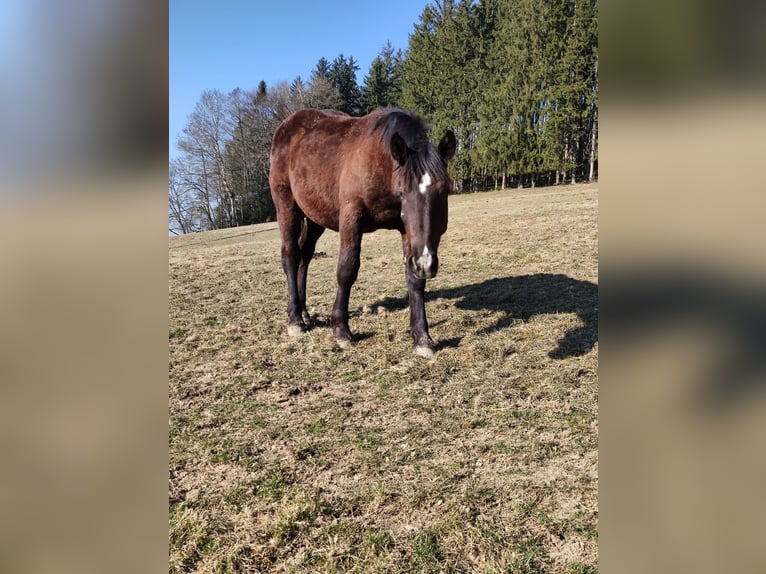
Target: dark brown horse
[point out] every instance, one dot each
(356, 175)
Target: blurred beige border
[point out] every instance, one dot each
(682, 333)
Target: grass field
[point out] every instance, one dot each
(290, 455)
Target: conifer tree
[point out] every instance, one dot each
(383, 84)
(342, 75)
(321, 70)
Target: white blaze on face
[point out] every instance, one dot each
(425, 260)
(425, 181)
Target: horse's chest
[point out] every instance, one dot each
(382, 216)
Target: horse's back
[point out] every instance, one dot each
(308, 156)
(307, 138)
(302, 123)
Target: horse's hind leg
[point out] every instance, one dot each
(310, 234)
(290, 218)
(347, 271)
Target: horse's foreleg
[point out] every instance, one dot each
(348, 269)
(423, 345)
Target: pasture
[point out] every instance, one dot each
(292, 455)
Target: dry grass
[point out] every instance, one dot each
(290, 455)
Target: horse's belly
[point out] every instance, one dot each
(318, 206)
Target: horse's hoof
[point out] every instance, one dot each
(344, 343)
(295, 330)
(423, 351)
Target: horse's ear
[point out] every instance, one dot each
(399, 148)
(447, 146)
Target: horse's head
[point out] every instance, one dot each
(423, 184)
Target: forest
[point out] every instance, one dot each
(516, 80)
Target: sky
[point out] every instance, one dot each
(227, 44)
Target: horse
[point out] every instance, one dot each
(355, 175)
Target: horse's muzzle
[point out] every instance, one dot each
(425, 265)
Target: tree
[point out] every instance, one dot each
(247, 155)
(221, 177)
(321, 70)
(261, 90)
(443, 75)
(322, 95)
(524, 83)
(181, 212)
(298, 89)
(383, 83)
(375, 91)
(319, 94)
(517, 82)
(202, 147)
(343, 77)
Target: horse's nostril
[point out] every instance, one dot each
(426, 259)
(416, 266)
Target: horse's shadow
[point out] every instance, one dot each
(523, 297)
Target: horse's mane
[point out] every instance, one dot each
(414, 131)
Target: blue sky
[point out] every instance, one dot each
(225, 44)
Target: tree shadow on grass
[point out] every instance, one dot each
(523, 297)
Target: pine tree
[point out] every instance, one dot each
(321, 71)
(342, 75)
(392, 60)
(375, 90)
(261, 91)
(444, 76)
(383, 83)
(517, 82)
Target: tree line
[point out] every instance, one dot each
(516, 81)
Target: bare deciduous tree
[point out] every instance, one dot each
(221, 177)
